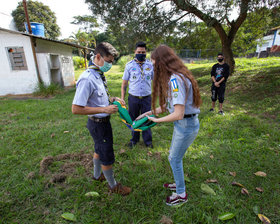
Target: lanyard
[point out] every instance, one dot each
(141, 69)
(102, 76)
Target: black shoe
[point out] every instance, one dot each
(131, 145)
(221, 112)
(211, 110)
(150, 146)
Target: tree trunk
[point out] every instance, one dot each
(228, 54)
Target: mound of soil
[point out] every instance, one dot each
(68, 168)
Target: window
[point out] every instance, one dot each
(17, 58)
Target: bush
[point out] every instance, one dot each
(79, 62)
(125, 59)
(52, 89)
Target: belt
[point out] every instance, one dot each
(189, 115)
(100, 120)
(140, 97)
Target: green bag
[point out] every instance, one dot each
(141, 125)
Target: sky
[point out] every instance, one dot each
(64, 10)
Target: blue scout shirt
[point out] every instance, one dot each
(90, 91)
(177, 95)
(139, 79)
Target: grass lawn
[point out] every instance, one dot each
(244, 141)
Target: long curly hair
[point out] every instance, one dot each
(166, 63)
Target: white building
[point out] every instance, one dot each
(18, 74)
(273, 38)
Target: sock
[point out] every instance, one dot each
(96, 168)
(109, 175)
(182, 195)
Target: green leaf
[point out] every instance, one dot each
(69, 216)
(226, 216)
(256, 209)
(187, 179)
(92, 194)
(206, 189)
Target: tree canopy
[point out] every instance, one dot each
(38, 12)
(154, 20)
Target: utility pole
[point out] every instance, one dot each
(32, 40)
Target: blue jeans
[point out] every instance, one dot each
(184, 134)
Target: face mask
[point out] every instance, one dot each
(220, 59)
(106, 67)
(140, 57)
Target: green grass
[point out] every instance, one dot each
(245, 140)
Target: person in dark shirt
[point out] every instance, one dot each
(219, 76)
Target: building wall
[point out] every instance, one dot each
(267, 41)
(277, 38)
(19, 81)
(59, 61)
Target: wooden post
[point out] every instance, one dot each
(32, 40)
(85, 57)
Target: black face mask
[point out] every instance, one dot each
(140, 57)
(220, 59)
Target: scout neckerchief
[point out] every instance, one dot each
(141, 67)
(94, 67)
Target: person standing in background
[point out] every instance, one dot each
(219, 76)
(138, 75)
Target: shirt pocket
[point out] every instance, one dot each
(100, 97)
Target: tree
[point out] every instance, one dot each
(87, 23)
(38, 12)
(83, 39)
(155, 17)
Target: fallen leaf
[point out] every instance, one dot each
(232, 174)
(209, 171)
(260, 174)
(244, 191)
(150, 153)
(31, 175)
(226, 216)
(92, 194)
(52, 135)
(259, 189)
(264, 219)
(69, 216)
(165, 220)
(256, 209)
(206, 189)
(122, 151)
(211, 157)
(237, 184)
(211, 181)
(66, 132)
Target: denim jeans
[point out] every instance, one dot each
(184, 134)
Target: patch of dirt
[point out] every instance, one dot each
(25, 97)
(68, 168)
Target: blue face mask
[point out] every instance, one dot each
(140, 57)
(106, 67)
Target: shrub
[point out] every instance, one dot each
(52, 89)
(125, 59)
(79, 62)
